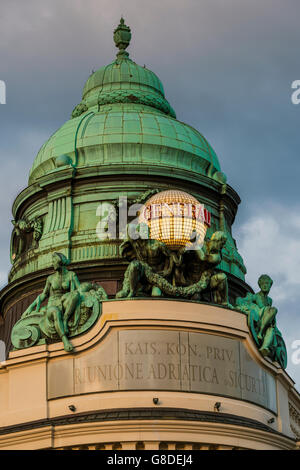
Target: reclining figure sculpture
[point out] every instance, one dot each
(71, 309)
(262, 321)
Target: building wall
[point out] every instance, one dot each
(46, 403)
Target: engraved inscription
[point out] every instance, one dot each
(159, 371)
(246, 382)
(169, 360)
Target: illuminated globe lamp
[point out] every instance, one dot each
(175, 218)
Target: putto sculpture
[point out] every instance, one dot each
(71, 309)
(156, 270)
(262, 321)
(22, 228)
(202, 264)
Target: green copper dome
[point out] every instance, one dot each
(124, 81)
(122, 142)
(126, 134)
(124, 71)
(124, 119)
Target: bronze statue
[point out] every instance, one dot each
(69, 303)
(61, 289)
(156, 269)
(201, 264)
(22, 228)
(262, 321)
(146, 257)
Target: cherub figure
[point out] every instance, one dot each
(178, 273)
(200, 264)
(144, 254)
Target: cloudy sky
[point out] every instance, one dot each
(227, 67)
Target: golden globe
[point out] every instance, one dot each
(175, 218)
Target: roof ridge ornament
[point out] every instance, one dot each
(122, 36)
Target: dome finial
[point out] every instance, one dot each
(122, 36)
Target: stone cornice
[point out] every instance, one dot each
(60, 177)
(141, 414)
(110, 424)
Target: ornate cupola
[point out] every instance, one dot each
(126, 300)
(123, 139)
